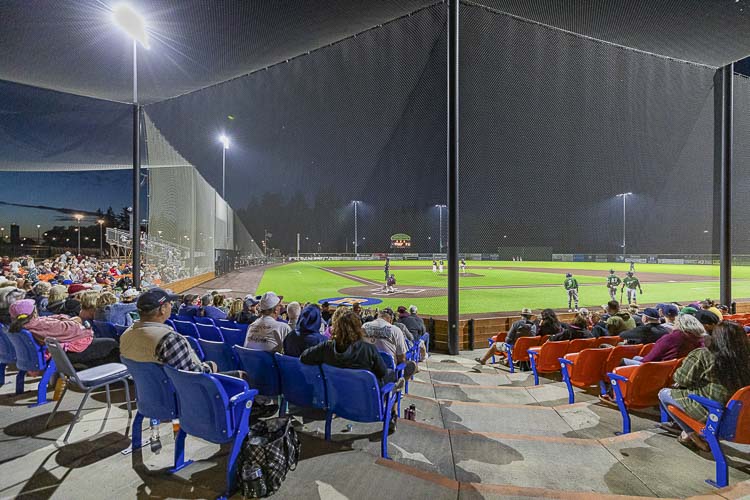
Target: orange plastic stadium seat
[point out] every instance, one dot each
(584, 369)
(617, 354)
(638, 386)
(611, 340)
(727, 423)
(646, 349)
(518, 352)
(546, 358)
(499, 338)
(578, 345)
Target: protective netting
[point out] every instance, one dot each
(741, 187)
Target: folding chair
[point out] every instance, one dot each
(30, 356)
(215, 408)
(87, 380)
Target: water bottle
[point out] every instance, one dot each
(155, 439)
(253, 485)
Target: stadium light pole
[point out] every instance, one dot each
(356, 239)
(224, 140)
(133, 24)
(78, 230)
(440, 222)
(101, 237)
(38, 226)
(624, 197)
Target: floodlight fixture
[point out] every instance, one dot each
(131, 22)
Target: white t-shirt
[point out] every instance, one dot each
(266, 334)
(386, 337)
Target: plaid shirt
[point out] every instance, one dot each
(695, 376)
(174, 350)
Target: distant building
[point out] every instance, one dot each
(15, 234)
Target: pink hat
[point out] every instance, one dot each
(23, 308)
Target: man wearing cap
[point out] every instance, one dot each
(650, 331)
(631, 283)
(249, 313)
(670, 313)
(613, 282)
(524, 327)
(708, 319)
(413, 323)
(385, 336)
(149, 340)
(208, 310)
(266, 333)
(571, 286)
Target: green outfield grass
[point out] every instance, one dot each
(306, 281)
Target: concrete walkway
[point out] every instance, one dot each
(478, 434)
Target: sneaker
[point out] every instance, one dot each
(400, 383)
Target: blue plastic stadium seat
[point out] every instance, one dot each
(209, 332)
(301, 384)
(105, 330)
(356, 395)
(195, 344)
(399, 369)
(120, 329)
(30, 356)
(202, 320)
(157, 400)
(228, 323)
(7, 353)
(186, 328)
(170, 324)
(183, 317)
(220, 353)
(233, 336)
(215, 408)
(261, 370)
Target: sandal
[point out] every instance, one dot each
(684, 439)
(699, 442)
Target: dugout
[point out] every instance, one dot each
(469, 125)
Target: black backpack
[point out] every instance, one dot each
(271, 446)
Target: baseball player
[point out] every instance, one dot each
(631, 283)
(390, 284)
(613, 282)
(463, 266)
(571, 285)
(387, 267)
(434, 266)
(440, 266)
(632, 266)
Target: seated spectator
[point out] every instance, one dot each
(414, 323)
(208, 310)
(235, 308)
(325, 312)
(340, 310)
(292, 314)
(118, 313)
(266, 333)
(549, 324)
(307, 333)
(348, 349)
(408, 337)
(221, 303)
(8, 296)
(524, 327)
(715, 372)
(670, 313)
(634, 313)
(686, 336)
(77, 341)
(40, 295)
(62, 303)
(150, 340)
(618, 321)
(386, 337)
(249, 312)
(710, 305)
(577, 329)
(189, 306)
(88, 305)
(598, 325)
(649, 332)
(708, 319)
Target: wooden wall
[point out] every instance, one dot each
(181, 286)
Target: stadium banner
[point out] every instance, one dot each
(671, 261)
(579, 258)
(400, 240)
(350, 301)
(562, 257)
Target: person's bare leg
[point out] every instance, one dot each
(490, 352)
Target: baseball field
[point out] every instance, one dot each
(492, 287)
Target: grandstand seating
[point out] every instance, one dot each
(215, 408)
(105, 330)
(202, 320)
(301, 384)
(233, 336)
(500, 337)
(638, 386)
(398, 368)
(220, 353)
(583, 369)
(544, 359)
(7, 353)
(30, 356)
(261, 369)
(519, 352)
(186, 328)
(193, 341)
(209, 332)
(724, 423)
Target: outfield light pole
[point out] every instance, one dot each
(101, 237)
(356, 239)
(224, 140)
(133, 24)
(624, 197)
(440, 222)
(38, 226)
(78, 230)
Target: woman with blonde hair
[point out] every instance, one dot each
(88, 305)
(235, 308)
(340, 310)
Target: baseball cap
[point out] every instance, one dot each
(24, 307)
(413, 309)
(401, 310)
(77, 288)
(670, 310)
(130, 293)
(526, 312)
(388, 310)
(651, 312)
(269, 300)
(688, 310)
(707, 317)
(150, 300)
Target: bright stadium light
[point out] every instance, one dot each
(356, 246)
(224, 140)
(624, 197)
(131, 22)
(440, 223)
